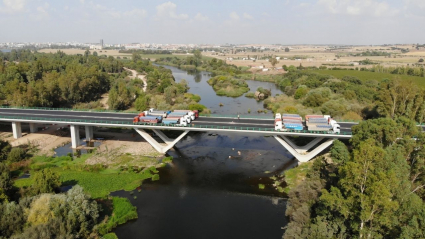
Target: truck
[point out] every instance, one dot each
(175, 121)
(180, 115)
(195, 113)
(154, 112)
(322, 123)
(147, 119)
(189, 114)
(292, 121)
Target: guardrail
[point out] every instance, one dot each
(68, 109)
(127, 123)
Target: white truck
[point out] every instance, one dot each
(322, 123)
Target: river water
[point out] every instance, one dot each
(212, 188)
(198, 84)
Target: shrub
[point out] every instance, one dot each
(197, 106)
(300, 92)
(16, 155)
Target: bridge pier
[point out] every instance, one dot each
(17, 130)
(33, 128)
(300, 152)
(161, 148)
(75, 136)
(89, 133)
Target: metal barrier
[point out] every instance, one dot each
(161, 124)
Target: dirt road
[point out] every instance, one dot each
(136, 75)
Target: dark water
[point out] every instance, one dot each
(67, 149)
(211, 190)
(233, 106)
(206, 194)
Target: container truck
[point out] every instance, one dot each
(292, 121)
(194, 112)
(190, 114)
(278, 116)
(322, 123)
(147, 119)
(161, 113)
(175, 121)
(180, 115)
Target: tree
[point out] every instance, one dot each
(286, 49)
(5, 148)
(95, 53)
(6, 183)
(198, 57)
(45, 181)
(273, 61)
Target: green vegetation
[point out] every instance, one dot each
(55, 80)
(374, 189)
(162, 91)
(250, 95)
(122, 212)
(110, 236)
(295, 176)
(228, 86)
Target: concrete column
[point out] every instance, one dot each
(75, 136)
(89, 133)
(17, 130)
(33, 128)
(161, 148)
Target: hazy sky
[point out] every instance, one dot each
(214, 21)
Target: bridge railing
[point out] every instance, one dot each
(68, 109)
(127, 123)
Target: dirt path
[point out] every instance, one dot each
(136, 75)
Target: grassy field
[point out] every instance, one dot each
(296, 175)
(366, 75)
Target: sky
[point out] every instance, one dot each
(356, 22)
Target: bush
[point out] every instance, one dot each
(197, 106)
(421, 60)
(300, 92)
(16, 155)
(123, 211)
(250, 95)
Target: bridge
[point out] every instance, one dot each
(90, 119)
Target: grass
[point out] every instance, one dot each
(122, 212)
(296, 175)
(110, 236)
(97, 184)
(367, 75)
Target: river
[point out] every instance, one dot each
(198, 84)
(211, 190)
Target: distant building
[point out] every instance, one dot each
(101, 43)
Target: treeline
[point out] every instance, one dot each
(374, 189)
(55, 80)
(196, 62)
(348, 97)
(146, 52)
(400, 70)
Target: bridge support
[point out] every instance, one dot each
(89, 133)
(33, 128)
(75, 136)
(161, 148)
(300, 152)
(17, 130)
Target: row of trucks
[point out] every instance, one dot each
(175, 118)
(284, 122)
